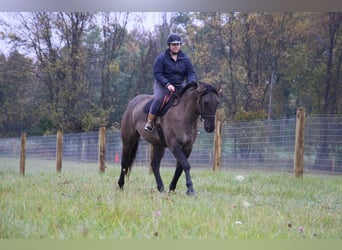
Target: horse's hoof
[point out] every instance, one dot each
(172, 191)
(191, 193)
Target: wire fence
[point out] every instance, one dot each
(266, 144)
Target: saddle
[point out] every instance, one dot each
(164, 107)
(168, 101)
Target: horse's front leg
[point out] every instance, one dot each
(182, 160)
(178, 172)
(157, 155)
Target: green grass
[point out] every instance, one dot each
(90, 206)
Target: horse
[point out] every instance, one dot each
(179, 131)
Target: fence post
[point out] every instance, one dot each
(22, 154)
(102, 149)
(59, 151)
(218, 140)
(299, 143)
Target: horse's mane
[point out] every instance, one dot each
(186, 87)
(208, 88)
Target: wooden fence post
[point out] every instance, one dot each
(59, 151)
(299, 143)
(102, 149)
(218, 140)
(22, 154)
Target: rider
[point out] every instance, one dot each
(170, 69)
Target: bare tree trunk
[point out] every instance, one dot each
(322, 160)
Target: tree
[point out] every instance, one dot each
(16, 93)
(75, 95)
(332, 76)
(113, 33)
(56, 41)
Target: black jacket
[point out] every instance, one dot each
(166, 70)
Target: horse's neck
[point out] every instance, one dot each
(188, 105)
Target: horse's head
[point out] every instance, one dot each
(207, 105)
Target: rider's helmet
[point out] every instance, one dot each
(174, 38)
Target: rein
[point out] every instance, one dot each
(176, 99)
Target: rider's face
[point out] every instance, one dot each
(175, 47)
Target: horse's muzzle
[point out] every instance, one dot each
(209, 126)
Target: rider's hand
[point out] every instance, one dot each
(171, 88)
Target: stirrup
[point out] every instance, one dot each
(149, 126)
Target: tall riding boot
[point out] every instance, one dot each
(150, 122)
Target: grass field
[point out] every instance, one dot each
(89, 206)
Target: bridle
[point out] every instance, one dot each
(176, 98)
(203, 117)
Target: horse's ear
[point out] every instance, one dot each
(200, 87)
(219, 89)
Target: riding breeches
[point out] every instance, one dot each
(159, 93)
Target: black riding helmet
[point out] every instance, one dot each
(174, 38)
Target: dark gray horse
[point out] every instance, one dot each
(179, 126)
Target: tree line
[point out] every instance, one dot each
(76, 71)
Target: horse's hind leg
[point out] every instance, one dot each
(157, 155)
(121, 181)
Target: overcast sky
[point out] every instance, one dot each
(137, 20)
(148, 19)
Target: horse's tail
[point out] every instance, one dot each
(128, 159)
